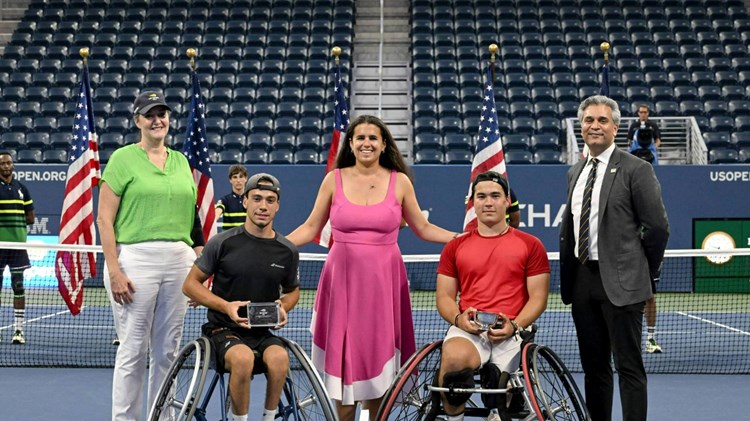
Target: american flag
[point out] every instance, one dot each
(489, 150)
(340, 122)
(196, 151)
(77, 220)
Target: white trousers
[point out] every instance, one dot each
(153, 321)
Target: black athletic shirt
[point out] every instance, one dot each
(248, 268)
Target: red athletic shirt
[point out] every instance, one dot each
(492, 271)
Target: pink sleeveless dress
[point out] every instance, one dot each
(362, 322)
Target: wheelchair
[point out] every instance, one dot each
(541, 389)
(303, 397)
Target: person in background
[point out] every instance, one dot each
(513, 213)
(496, 269)
(362, 322)
(230, 206)
(249, 263)
(644, 137)
(613, 235)
(147, 223)
(16, 213)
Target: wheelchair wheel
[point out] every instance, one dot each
(304, 397)
(553, 391)
(408, 397)
(179, 393)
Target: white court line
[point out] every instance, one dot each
(711, 322)
(26, 322)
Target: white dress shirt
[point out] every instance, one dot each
(577, 201)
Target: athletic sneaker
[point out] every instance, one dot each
(18, 338)
(652, 347)
(116, 341)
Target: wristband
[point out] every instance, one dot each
(455, 320)
(515, 326)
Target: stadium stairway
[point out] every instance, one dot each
(11, 13)
(394, 106)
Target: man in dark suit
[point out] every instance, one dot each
(612, 241)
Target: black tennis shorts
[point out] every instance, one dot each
(222, 339)
(15, 259)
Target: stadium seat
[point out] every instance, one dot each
(717, 156)
(29, 156)
(518, 156)
(55, 156)
(13, 140)
(429, 156)
(547, 156)
(231, 156)
(458, 157)
(306, 157)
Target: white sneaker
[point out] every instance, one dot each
(18, 338)
(652, 347)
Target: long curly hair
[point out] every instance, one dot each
(391, 158)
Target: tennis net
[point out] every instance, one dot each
(703, 313)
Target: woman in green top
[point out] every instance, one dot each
(146, 215)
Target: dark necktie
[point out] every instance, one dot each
(583, 228)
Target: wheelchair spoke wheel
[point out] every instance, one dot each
(180, 391)
(554, 393)
(408, 397)
(304, 397)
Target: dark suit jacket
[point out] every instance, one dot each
(633, 230)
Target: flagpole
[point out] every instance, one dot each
(605, 48)
(336, 52)
(192, 53)
(493, 51)
(84, 52)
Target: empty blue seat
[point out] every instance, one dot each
(29, 156)
(516, 141)
(459, 157)
(55, 156)
(720, 156)
(547, 156)
(281, 156)
(429, 156)
(518, 156)
(306, 157)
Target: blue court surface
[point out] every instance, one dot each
(84, 394)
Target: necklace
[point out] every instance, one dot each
(507, 227)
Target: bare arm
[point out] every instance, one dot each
(30, 217)
(218, 212)
(445, 296)
(314, 223)
(416, 219)
(515, 219)
(195, 289)
(538, 289)
(109, 203)
(287, 301)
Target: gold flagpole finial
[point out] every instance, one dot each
(336, 51)
(84, 52)
(192, 53)
(493, 51)
(605, 48)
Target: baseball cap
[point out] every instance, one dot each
(271, 183)
(148, 100)
(490, 176)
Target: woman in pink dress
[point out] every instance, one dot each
(362, 322)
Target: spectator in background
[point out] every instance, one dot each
(613, 235)
(513, 213)
(644, 137)
(230, 206)
(147, 223)
(16, 213)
